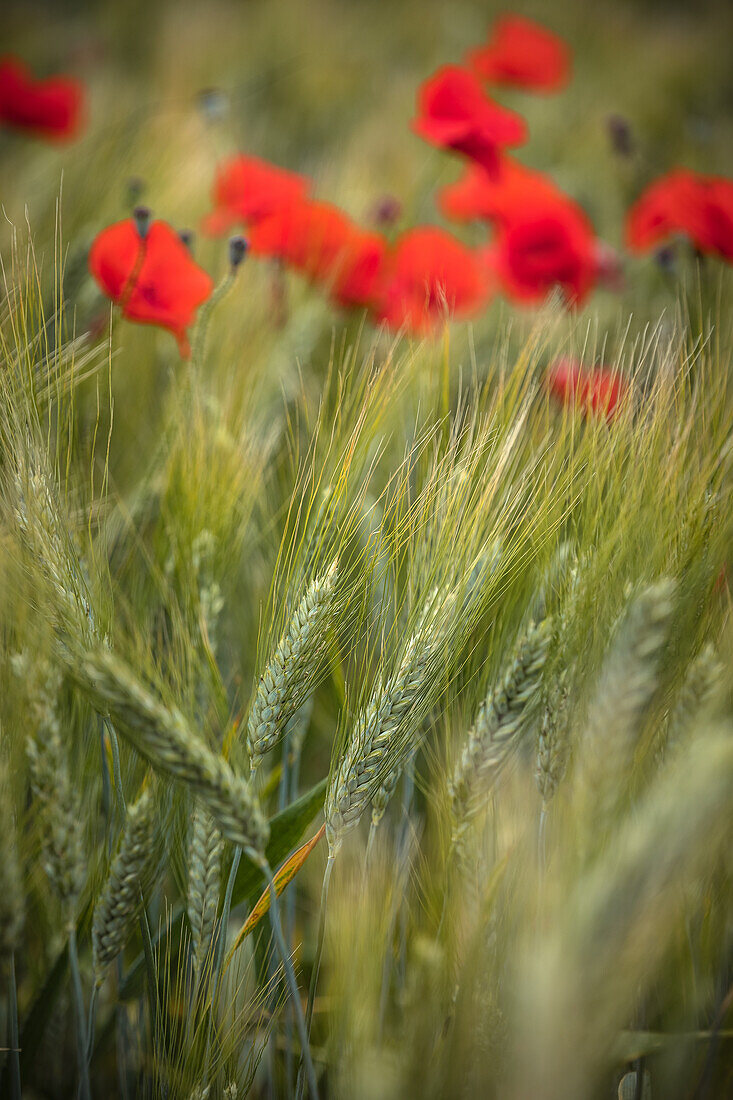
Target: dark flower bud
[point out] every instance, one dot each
(238, 247)
(665, 257)
(213, 103)
(142, 216)
(135, 190)
(386, 211)
(186, 237)
(620, 135)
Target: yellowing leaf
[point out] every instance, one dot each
(284, 875)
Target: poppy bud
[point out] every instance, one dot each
(386, 211)
(665, 258)
(620, 135)
(237, 251)
(186, 237)
(142, 216)
(213, 103)
(135, 190)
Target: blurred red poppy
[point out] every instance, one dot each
(247, 189)
(597, 390)
(522, 54)
(547, 243)
(152, 278)
(429, 276)
(51, 108)
(479, 196)
(700, 207)
(454, 113)
(322, 243)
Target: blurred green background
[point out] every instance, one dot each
(328, 89)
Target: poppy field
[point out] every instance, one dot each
(366, 456)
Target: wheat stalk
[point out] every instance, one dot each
(627, 684)
(695, 696)
(119, 902)
(63, 857)
(204, 873)
(376, 751)
(502, 719)
(553, 744)
(48, 543)
(427, 639)
(163, 736)
(211, 601)
(293, 668)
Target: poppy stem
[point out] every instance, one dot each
(202, 327)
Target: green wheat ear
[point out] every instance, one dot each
(374, 753)
(291, 672)
(702, 679)
(204, 876)
(63, 853)
(553, 744)
(628, 681)
(503, 717)
(120, 899)
(164, 737)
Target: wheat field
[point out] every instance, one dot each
(366, 725)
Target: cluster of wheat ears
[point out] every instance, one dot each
(508, 628)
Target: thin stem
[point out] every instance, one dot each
(287, 962)
(199, 340)
(282, 801)
(289, 898)
(105, 724)
(402, 849)
(446, 888)
(219, 956)
(542, 841)
(14, 1058)
(106, 788)
(386, 973)
(316, 965)
(116, 767)
(90, 1023)
(84, 1089)
(408, 790)
(149, 966)
(445, 386)
(369, 847)
(224, 919)
(121, 1035)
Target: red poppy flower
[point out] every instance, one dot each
(549, 243)
(700, 207)
(429, 275)
(247, 189)
(597, 390)
(524, 55)
(454, 113)
(322, 243)
(479, 196)
(51, 108)
(152, 278)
